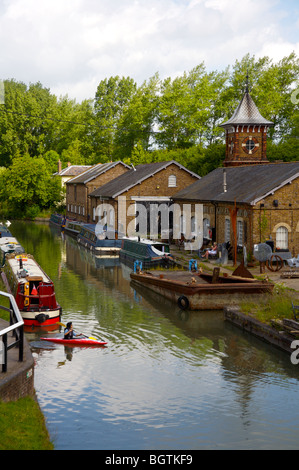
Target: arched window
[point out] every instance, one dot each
(172, 181)
(282, 238)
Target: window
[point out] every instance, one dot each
(206, 228)
(282, 238)
(172, 181)
(192, 224)
(227, 230)
(240, 230)
(182, 224)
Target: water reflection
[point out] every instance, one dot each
(168, 379)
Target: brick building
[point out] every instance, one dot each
(249, 204)
(249, 200)
(79, 188)
(71, 171)
(246, 135)
(148, 185)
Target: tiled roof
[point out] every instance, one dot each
(94, 172)
(246, 113)
(133, 177)
(245, 184)
(73, 170)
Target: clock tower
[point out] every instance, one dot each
(246, 135)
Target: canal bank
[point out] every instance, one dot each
(274, 331)
(22, 422)
(168, 379)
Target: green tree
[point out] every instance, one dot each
(26, 187)
(111, 97)
(137, 122)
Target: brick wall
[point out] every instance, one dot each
(237, 154)
(154, 186)
(261, 221)
(78, 203)
(279, 210)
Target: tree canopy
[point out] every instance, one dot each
(161, 119)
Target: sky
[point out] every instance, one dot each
(69, 46)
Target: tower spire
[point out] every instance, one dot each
(247, 82)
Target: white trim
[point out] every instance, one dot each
(150, 198)
(288, 181)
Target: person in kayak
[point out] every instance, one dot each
(69, 332)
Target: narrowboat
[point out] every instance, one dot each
(148, 252)
(202, 291)
(99, 239)
(8, 244)
(73, 227)
(32, 288)
(58, 220)
(4, 231)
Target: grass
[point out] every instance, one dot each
(23, 426)
(277, 305)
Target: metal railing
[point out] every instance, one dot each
(16, 328)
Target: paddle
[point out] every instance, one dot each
(81, 334)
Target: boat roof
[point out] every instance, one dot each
(4, 231)
(30, 268)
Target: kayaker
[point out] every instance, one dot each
(68, 331)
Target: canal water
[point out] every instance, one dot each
(167, 380)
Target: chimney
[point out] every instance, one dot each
(59, 166)
(68, 163)
(224, 181)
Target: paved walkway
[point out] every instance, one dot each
(13, 363)
(183, 257)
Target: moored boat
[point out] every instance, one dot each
(73, 227)
(98, 239)
(58, 220)
(202, 291)
(32, 288)
(148, 252)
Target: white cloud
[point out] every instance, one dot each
(71, 45)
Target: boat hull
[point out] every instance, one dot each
(98, 243)
(195, 294)
(76, 342)
(33, 290)
(41, 318)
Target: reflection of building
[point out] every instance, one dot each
(250, 200)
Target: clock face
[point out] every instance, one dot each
(250, 145)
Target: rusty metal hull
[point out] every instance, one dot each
(197, 292)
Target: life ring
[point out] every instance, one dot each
(41, 317)
(279, 263)
(183, 302)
